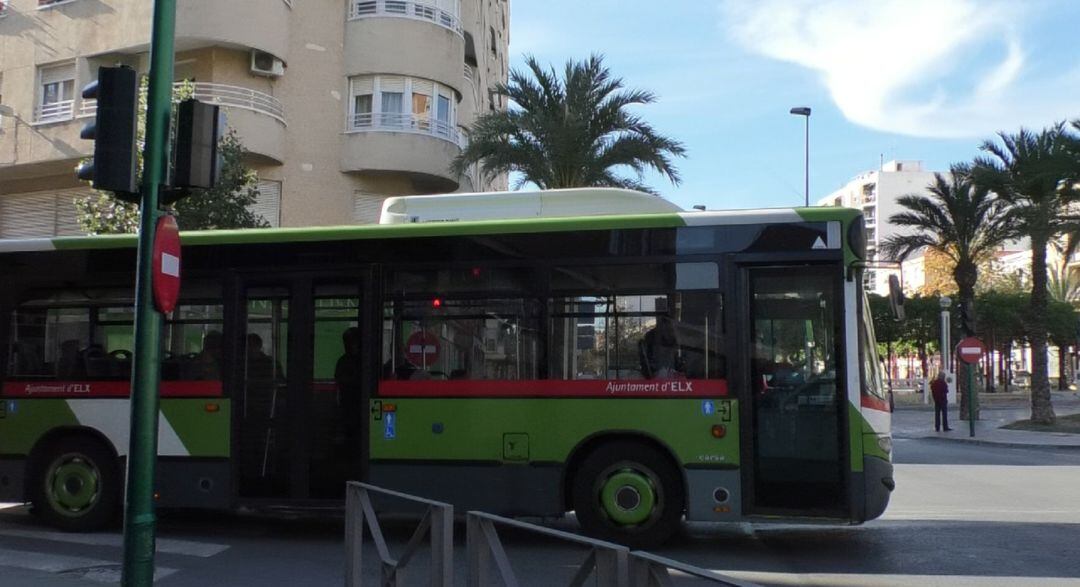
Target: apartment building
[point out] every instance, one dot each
(875, 193)
(340, 103)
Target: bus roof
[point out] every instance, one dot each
(446, 228)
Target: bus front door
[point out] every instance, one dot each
(795, 401)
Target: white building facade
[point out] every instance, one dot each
(875, 193)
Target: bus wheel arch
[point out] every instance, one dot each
(610, 467)
(74, 479)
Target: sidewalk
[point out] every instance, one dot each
(916, 420)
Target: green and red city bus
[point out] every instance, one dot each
(635, 368)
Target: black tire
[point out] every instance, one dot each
(75, 484)
(629, 492)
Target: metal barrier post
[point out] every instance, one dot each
(438, 522)
(649, 570)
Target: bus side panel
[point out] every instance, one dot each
(513, 451)
(189, 429)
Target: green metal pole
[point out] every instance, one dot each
(971, 399)
(139, 516)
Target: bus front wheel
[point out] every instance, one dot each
(76, 484)
(630, 493)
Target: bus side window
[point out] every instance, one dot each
(49, 343)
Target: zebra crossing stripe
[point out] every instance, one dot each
(164, 545)
(97, 570)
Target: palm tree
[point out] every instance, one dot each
(958, 219)
(1030, 171)
(569, 132)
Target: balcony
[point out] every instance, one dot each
(255, 24)
(408, 46)
(443, 13)
(258, 118)
(395, 143)
(55, 112)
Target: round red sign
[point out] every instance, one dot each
(970, 350)
(166, 264)
(422, 349)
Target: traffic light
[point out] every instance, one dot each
(114, 166)
(199, 128)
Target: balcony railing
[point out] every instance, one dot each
(397, 122)
(221, 95)
(237, 97)
(55, 112)
(419, 9)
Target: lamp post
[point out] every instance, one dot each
(805, 111)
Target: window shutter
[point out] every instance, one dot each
(363, 85)
(57, 74)
(268, 204)
(391, 84)
(422, 86)
(67, 219)
(28, 215)
(367, 207)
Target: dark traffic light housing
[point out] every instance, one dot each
(114, 166)
(199, 128)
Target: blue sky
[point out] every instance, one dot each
(902, 79)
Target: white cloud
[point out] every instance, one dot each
(909, 66)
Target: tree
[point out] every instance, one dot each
(1001, 319)
(1030, 171)
(225, 206)
(959, 220)
(569, 132)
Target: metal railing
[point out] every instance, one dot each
(419, 9)
(55, 112)
(609, 562)
(612, 565)
(649, 570)
(238, 97)
(438, 522)
(221, 95)
(398, 122)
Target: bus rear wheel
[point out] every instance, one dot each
(76, 485)
(630, 493)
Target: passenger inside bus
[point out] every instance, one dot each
(208, 361)
(70, 365)
(348, 377)
(659, 351)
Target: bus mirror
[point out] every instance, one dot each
(896, 298)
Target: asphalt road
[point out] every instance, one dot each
(962, 515)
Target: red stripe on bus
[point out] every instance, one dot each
(875, 403)
(106, 389)
(556, 388)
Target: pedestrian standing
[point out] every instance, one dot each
(940, 389)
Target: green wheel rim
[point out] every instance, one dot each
(73, 485)
(628, 497)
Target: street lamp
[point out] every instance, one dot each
(805, 111)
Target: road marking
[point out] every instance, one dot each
(164, 545)
(871, 580)
(97, 570)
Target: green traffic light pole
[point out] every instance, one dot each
(139, 516)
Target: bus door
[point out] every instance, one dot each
(304, 386)
(792, 334)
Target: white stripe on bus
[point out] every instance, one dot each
(111, 418)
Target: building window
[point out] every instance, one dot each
(56, 93)
(397, 103)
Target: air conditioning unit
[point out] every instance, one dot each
(263, 63)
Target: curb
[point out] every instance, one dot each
(988, 442)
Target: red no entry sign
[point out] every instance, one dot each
(422, 348)
(970, 350)
(166, 264)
